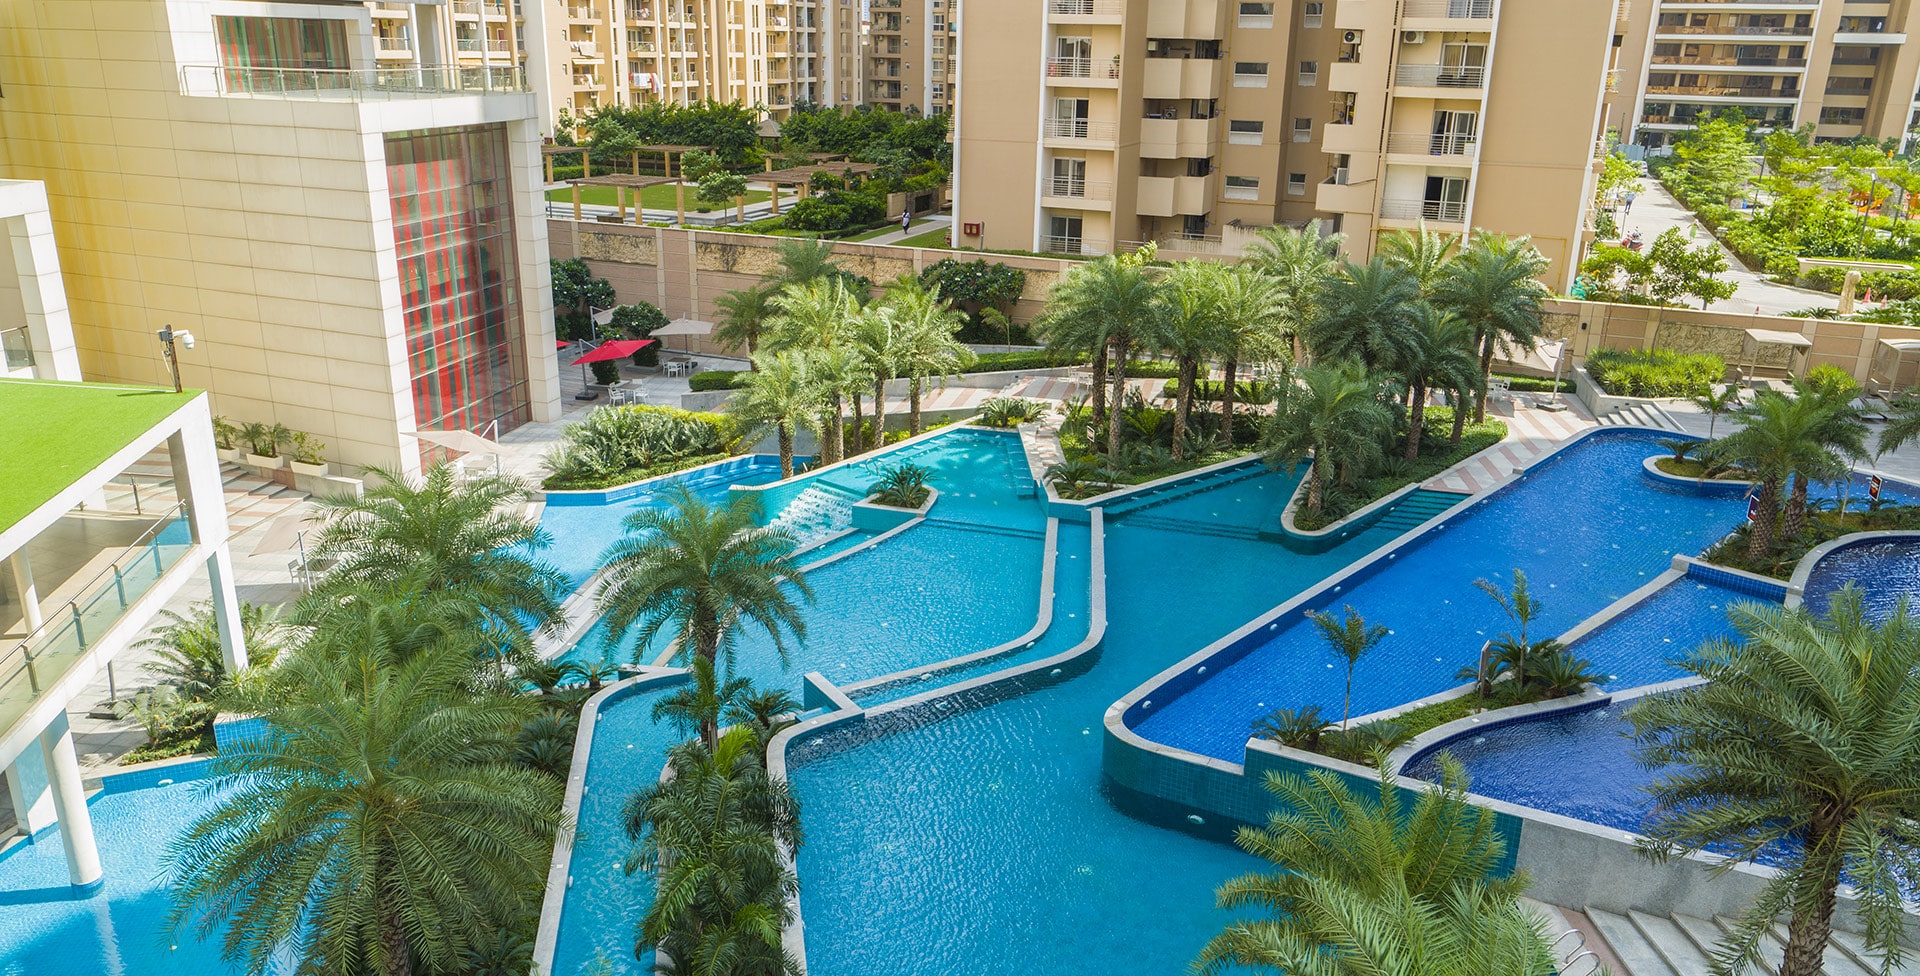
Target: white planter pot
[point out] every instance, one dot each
(265, 463)
(233, 454)
(313, 470)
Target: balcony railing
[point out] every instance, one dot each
(1087, 8)
(1431, 144)
(583, 13)
(474, 8)
(1444, 211)
(386, 44)
(1083, 68)
(475, 45)
(1735, 31)
(16, 348)
(1730, 61)
(1441, 76)
(1078, 189)
(1073, 245)
(1452, 9)
(400, 81)
(1723, 91)
(32, 666)
(1099, 129)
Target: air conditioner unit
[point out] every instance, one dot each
(1153, 46)
(1413, 37)
(1351, 37)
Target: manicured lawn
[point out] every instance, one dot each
(936, 238)
(889, 229)
(653, 197)
(56, 432)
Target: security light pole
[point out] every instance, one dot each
(168, 335)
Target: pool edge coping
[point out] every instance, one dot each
(1803, 570)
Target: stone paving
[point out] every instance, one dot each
(1531, 432)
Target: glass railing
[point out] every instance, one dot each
(399, 81)
(31, 666)
(16, 348)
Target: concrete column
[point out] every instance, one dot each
(70, 803)
(196, 478)
(31, 792)
(23, 584)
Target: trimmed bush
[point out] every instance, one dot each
(1208, 391)
(708, 380)
(1658, 373)
(615, 445)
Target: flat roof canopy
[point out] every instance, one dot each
(623, 179)
(804, 174)
(55, 433)
(1769, 337)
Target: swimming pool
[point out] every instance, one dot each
(1892, 564)
(1585, 525)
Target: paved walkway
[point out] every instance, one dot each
(1655, 210)
(1531, 432)
(920, 226)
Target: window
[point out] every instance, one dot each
(1296, 184)
(1249, 74)
(1242, 188)
(1837, 115)
(1309, 73)
(1241, 132)
(1256, 15)
(273, 44)
(1302, 130)
(1312, 14)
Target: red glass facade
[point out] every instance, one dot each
(453, 234)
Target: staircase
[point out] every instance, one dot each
(1639, 415)
(814, 514)
(1680, 945)
(1418, 508)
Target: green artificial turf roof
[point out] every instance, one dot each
(52, 434)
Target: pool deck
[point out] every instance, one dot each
(1532, 433)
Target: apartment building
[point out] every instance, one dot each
(1844, 67)
(473, 33)
(911, 55)
(1195, 122)
(355, 240)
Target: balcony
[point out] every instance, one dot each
(1725, 92)
(1178, 138)
(476, 8)
(1730, 61)
(1065, 191)
(1347, 138)
(1084, 72)
(1180, 78)
(386, 46)
(392, 11)
(1086, 11)
(583, 13)
(1456, 15)
(1171, 196)
(1194, 19)
(1088, 246)
(1729, 30)
(1080, 130)
(476, 46)
(1336, 195)
(1432, 211)
(352, 84)
(1448, 76)
(1430, 145)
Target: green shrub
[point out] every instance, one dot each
(1534, 384)
(901, 486)
(1153, 369)
(1011, 411)
(1656, 373)
(994, 362)
(1208, 391)
(708, 380)
(615, 442)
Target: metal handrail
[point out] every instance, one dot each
(352, 83)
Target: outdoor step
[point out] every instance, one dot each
(1676, 949)
(1772, 952)
(1853, 946)
(1704, 934)
(1837, 960)
(1629, 946)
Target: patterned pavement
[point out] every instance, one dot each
(1531, 432)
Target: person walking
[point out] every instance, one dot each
(906, 220)
(1630, 196)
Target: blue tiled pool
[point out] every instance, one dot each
(1893, 566)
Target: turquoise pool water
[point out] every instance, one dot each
(1586, 527)
(580, 527)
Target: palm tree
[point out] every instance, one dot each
(762, 711)
(410, 619)
(702, 571)
(1781, 436)
(1351, 638)
(382, 828)
(716, 833)
(1094, 306)
(1299, 261)
(698, 706)
(1802, 732)
(925, 326)
(743, 317)
(1903, 424)
(186, 648)
(813, 317)
(1492, 285)
(1842, 430)
(840, 373)
(1521, 608)
(1422, 254)
(440, 533)
(1442, 358)
(1253, 308)
(873, 336)
(800, 261)
(1333, 413)
(1715, 404)
(782, 391)
(1367, 314)
(1194, 323)
(1366, 886)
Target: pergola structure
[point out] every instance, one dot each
(668, 153)
(621, 183)
(819, 157)
(802, 177)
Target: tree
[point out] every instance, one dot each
(187, 655)
(800, 261)
(1351, 637)
(1366, 886)
(873, 337)
(1333, 413)
(577, 291)
(1713, 159)
(439, 533)
(381, 828)
(924, 342)
(1422, 254)
(1441, 358)
(1253, 316)
(1903, 423)
(703, 572)
(1798, 742)
(698, 705)
(817, 316)
(1780, 436)
(744, 314)
(1492, 286)
(1109, 305)
(1714, 404)
(1194, 319)
(1617, 176)
(714, 833)
(841, 374)
(1299, 261)
(1692, 272)
(781, 391)
(1521, 608)
(1367, 315)
(977, 285)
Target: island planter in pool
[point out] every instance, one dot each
(871, 516)
(1729, 486)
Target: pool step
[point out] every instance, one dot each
(1640, 415)
(1682, 945)
(1418, 508)
(1217, 530)
(1182, 489)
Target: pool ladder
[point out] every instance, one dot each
(1571, 952)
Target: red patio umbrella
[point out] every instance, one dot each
(617, 349)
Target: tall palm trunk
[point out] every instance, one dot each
(1416, 419)
(1313, 485)
(1183, 407)
(1760, 536)
(880, 411)
(391, 928)
(786, 449)
(1099, 383)
(1459, 398)
(1795, 521)
(1486, 374)
(858, 441)
(835, 447)
(1811, 926)
(913, 406)
(1232, 369)
(1118, 380)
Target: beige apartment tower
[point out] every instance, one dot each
(911, 55)
(1846, 68)
(1195, 122)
